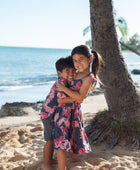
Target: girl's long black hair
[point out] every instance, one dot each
(97, 60)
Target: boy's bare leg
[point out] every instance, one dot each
(74, 157)
(61, 157)
(47, 155)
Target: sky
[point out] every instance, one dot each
(54, 23)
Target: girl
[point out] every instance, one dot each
(79, 89)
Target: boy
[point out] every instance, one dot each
(66, 72)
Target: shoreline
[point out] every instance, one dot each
(33, 111)
(34, 94)
(27, 112)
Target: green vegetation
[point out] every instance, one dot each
(133, 42)
(122, 30)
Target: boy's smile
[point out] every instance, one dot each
(68, 73)
(72, 75)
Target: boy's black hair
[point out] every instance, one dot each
(62, 63)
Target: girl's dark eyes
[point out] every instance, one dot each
(75, 61)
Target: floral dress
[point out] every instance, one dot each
(69, 133)
(79, 140)
(62, 128)
(50, 104)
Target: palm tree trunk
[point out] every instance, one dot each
(120, 92)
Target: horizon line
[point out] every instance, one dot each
(34, 47)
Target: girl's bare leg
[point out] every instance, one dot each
(61, 157)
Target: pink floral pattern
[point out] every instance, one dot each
(62, 127)
(69, 133)
(50, 104)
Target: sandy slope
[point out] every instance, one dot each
(21, 148)
(21, 145)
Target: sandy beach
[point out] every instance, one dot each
(21, 143)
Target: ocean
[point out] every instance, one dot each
(27, 74)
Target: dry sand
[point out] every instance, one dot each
(22, 143)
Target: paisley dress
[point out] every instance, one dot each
(69, 133)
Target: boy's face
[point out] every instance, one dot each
(72, 75)
(68, 74)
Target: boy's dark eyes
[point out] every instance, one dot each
(67, 70)
(75, 61)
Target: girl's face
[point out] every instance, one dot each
(81, 62)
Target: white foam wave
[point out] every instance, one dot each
(132, 64)
(12, 88)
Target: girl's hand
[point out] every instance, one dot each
(60, 87)
(79, 101)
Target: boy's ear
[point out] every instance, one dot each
(59, 73)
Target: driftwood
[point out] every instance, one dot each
(115, 142)
(136, 142)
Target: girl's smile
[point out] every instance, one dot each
(81, 63)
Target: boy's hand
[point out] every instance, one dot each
(60, 87)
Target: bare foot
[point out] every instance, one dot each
(72, 160)
(46, 167)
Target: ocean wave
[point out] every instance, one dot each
(133, 64)
(28, 80)
(10, 85)
(12, 88)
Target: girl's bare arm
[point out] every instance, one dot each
(67, 100)
(77, 95)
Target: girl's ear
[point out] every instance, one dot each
(59, 73)
(91, 58)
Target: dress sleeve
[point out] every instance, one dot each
(50, 104)
(59, 93)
